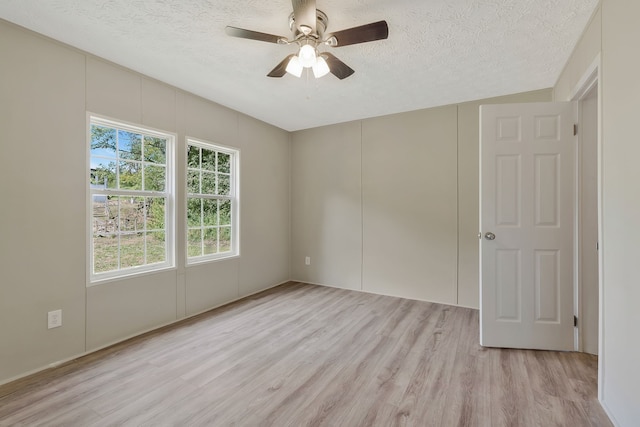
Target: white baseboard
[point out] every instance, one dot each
(379, 293)
(609, 414)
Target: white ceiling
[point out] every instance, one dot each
(438, 52)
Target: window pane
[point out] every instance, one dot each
(130, 176)
(224, 183)
(210, 212)
(210, 241)
(194, 212)
(100, 215)
(103, 141)
(225, 239)
(156, 248)
(131, 250)
(224, 163)
(208, 160)
(105, 215)
(129, 228)
(113, 211)
(155, 149)
(208, 183)
(131, 213)
(154, 178)
(193, 157)
(155, 213)
(103, 173)
(225, 212)
(194, 243)
(105, 253)
(193, 182)
(129, 145)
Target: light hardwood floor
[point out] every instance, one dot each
(301, 355)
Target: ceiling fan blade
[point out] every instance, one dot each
(253, 35)
(304, 12)
(281, 68)
(337, 67)
(362, 34)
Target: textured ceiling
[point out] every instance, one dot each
(438, 51)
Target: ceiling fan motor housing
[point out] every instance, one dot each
(322, 21)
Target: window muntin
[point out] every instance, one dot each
(131, 201)
(212, 202)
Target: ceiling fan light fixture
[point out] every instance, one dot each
(307, 56)
(294, 67)
(320, 68)
(308, 25)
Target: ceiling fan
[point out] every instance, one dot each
(308, 26)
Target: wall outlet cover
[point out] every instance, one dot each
(54, 319)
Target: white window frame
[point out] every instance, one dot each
(234, 197)
(169, 194)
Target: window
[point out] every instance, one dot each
(212, 201)
(131, 199)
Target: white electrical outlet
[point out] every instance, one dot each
(307, 260)
(54, 319)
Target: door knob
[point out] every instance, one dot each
(489, 236)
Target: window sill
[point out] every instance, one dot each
(197, 262)
(129, 276)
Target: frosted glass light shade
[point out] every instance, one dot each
(294, 67)
(320, 68)
(307, 55)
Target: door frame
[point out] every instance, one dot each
(591, 77)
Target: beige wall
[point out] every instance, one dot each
(409, 205)
(621, 208)
(326, 207)
(583, 56)
(390, 205)
(42, 189)
(45, 91)
(613, 34)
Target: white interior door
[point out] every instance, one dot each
(527, 200)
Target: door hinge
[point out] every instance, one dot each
(575, 130)
(575, 321)
(597, 246)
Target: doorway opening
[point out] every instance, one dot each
(587, 303)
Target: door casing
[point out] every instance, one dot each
(589, 80)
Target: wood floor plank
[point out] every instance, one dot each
(304, 355)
